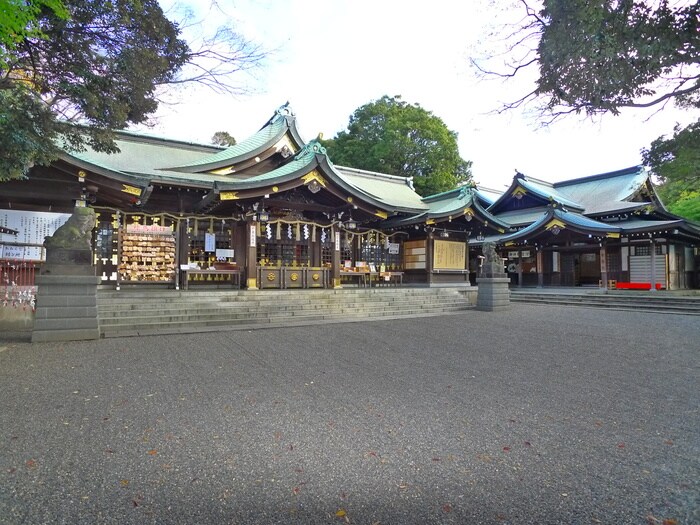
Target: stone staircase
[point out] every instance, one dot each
(154, 311)
(658, 302)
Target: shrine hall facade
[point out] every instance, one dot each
(274, 212)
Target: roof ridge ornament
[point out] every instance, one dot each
(313, 146)
(285, 110)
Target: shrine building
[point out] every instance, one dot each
(274, 212)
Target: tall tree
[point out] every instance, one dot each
(394, 137)
(600, 56)
(676, 162)
(223, 138)
(596, 57)
(93, 68)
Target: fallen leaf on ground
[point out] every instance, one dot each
(31, 463)
(123, 482)
(447, 508)
(670, 521)
(340, 513)
(152, 452)
(620, 445)
(506, 449)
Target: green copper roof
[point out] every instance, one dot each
(275, 128)
(243, 150)
(393, 191)
(143, 156)
(599, 193)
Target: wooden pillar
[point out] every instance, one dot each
(603, 266)
(335, 270)
(653, 265)
(520, 268)
(429, 257)
(540, 268)
(251, 261)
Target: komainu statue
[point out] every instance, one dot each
(75, 233)
(493, 263)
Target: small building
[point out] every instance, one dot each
(274, 212)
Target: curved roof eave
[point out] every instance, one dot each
(575, 222)
(505, 195)
(551, 195)
(271, 133)
(110, 173)
(308, 159)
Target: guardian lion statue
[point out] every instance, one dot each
(493, 263)
(75, 233)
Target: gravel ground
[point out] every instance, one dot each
(538, 415)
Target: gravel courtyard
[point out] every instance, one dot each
(538, 415)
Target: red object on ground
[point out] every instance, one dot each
(636, 286)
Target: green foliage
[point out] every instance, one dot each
(18, 21)
(676, 163)
(394, 137)
(223, 138)
(687, 206)
(99, 67)
(598, 57)
(23, 119)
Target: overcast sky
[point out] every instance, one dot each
(328, 57)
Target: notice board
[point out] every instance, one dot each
(449, 255)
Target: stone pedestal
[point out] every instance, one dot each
(493, 294)
(66, 308)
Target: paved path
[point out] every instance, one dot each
(538, 415)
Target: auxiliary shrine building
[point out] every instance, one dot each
(273, 212)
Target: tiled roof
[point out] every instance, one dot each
(569, 218)
(264, 138)
(394, 191)
(546, 191)
(599, 193)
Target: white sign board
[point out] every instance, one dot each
(209, 242)
(394, 248)
(33, 228)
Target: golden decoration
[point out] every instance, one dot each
(315, 277)
(294, 277)
(228, 195)
(271, 276)
(314, 175)
(555, 222)
(131, 190)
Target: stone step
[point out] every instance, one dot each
(173, 311)
(244, 310)
(128, 321)
(116, 309)
(174, 296)
(687, 306)
(206, 325)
